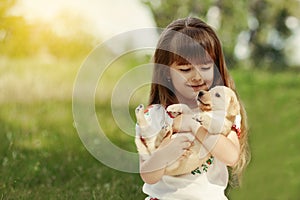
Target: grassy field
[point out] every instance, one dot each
(42, 157)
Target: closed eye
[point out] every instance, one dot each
(185, 70)
(205, 68)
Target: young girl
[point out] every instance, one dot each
(189, 58)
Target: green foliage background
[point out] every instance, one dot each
(262, 21)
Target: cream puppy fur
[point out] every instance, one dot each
(153, 125)
(217, 110)
(220, 106)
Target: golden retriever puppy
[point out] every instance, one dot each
(217, 110)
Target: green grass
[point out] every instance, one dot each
(42, 157)
(272, 102)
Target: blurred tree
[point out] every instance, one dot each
(20, 39)
(5, 6)
(255, 30)
(63, 41)
(13, 31)
(227, 17)
(269, 35)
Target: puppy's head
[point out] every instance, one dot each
(219, 98)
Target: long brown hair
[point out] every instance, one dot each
(192, 41)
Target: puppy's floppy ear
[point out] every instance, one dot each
(234, 107)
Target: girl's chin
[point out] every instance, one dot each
(186, 99)
(197, 89)
(192, 97)
(188, 95)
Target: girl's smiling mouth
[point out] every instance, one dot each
(198, 87)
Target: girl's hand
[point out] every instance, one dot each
(152, 169)
(172, 149)
(169, 151)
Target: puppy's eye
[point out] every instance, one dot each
(217, 95)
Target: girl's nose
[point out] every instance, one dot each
(196, 76)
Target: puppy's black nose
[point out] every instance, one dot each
(201, 93)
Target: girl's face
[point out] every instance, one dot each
(188, 80)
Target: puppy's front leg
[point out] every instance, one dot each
(140, 117)
(140, 141)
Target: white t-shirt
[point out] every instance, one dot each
(206, 185)
(191, 187)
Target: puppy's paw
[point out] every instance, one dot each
(199, 117)
(205, 120)
(177, 109)
(139, 109)
(140, 118)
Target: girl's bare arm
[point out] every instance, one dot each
(226, 149)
